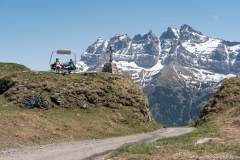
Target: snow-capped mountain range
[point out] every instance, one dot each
(144, 56)
(197, 61)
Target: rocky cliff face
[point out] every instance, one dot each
(178, 71)
(193, 49)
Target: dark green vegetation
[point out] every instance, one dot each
(217, 135)
(80, 106)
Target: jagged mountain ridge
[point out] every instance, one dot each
(197, 64)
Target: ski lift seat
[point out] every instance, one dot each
(65, 67)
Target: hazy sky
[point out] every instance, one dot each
(31, 29)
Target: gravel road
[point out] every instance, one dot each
(87, 149)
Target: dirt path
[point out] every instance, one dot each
(88, 149)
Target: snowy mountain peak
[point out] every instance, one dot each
(120, 37)
(184, 33)
(151, 34)
(97, 47)
(187, 28)
(171, 33)
(100, 39)
(120, 43)
(187, 33)
(183, 45)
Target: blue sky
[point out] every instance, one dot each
(31, 29)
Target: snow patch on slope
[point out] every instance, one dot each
(139, 74)
(198, 78)
(234, 49)
(202, 48)
(81, 66)
(175, 32)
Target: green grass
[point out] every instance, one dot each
(181, 143)
(28, 127)
(6, 68)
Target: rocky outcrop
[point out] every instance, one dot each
(110, 68)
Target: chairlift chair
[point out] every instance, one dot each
(64, 67)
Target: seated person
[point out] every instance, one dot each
(71, 65)
(56, 65)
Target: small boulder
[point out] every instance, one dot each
(56, 99)
(205, 140)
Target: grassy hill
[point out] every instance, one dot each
(79, 106)
(217, 136)
(6, 68)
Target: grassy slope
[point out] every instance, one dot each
(6, 68)
(220, 120)
(115, 107)
(28, 127)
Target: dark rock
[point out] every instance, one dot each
(5, 85)
(56, 99)
(110, 68)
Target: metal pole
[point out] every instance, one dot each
(51, 57)
(110, 59)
